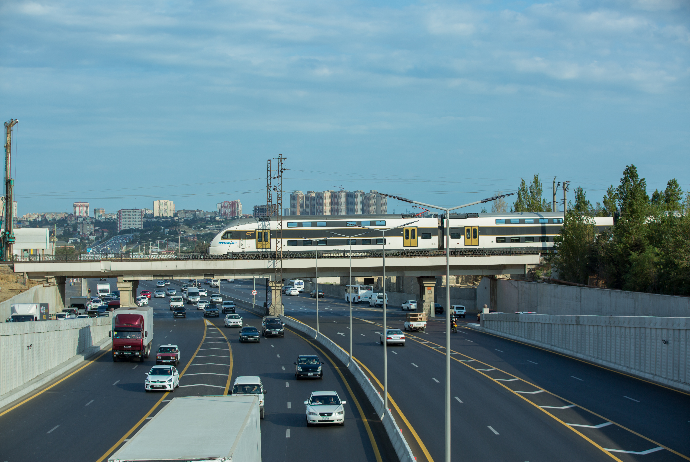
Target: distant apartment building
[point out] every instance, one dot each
(163, 208)
(191, 214)
(99, 214)
(309, 203)
(2, 207)
(374, 203)
(261, 211)
(130, 219)
(323, 203)
(81, 209)
(339, 202)
(229, 209)
(86, 228)
(297, 203)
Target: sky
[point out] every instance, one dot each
(122, 103)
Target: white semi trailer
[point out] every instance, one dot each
(216, 429)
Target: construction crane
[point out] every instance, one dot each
(7, 235)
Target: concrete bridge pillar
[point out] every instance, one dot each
(427, 286)
(125, 288)
(84, 287)
(276, 308)
(61, 282)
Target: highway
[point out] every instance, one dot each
(93, 410)
(510, 401)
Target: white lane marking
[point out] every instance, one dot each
(205, 373)
(492, 429)
(287, 433)
(414, 365)
(283, 367)
(149, 418)
(577, 378)
(272, 346)
(135, 366)
(202, 385)
(605, 424)
(486, 370)
(165, 336)
(435, 380)
(506, 380)
(531, 362)
(289, 405)
(116, 382)
(529, 392)
(278, 355)
(631, 399)
(210, 364)
(498, 350)
(341, 333)
(213, 356)
(53, 429)
(465, 360)
(362, 335)
(170, 330)
(641, 453)
(167, 400)
(394, 352)
(459, 401)
(212, 348)
(557, 407)
(88, 403)
(287, 384)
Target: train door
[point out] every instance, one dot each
(471, 235)
(263, 239)
(410, 237)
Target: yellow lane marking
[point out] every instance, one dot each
(56, 383)
(143, 419)
(399, 411)
(227, 384)
(374, 446)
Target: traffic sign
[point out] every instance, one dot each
(253, 292)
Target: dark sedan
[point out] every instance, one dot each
(273, 329)
(308, 366)
(438, 308)
(211, 312)
(313, 294)
(250, 334)
(179, 312)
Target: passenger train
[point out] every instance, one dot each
(486, 231)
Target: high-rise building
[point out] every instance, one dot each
(99, 214)
(229, 209)
(130, 219)
(260, 210)
(374, 203)
(323, 203)
(297, 203)
(163, 208)
(339, 202)
(354, 202)
(81, 209)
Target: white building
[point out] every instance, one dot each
(130, 219)
(163, 208)
(81, 209)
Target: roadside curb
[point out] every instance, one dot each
(44, 379)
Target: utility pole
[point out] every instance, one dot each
(565, 196)
(553, 201)
(8, 233)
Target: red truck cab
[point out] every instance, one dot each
(132, 334)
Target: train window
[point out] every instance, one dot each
(292, 224)
(321, 242)
(468, 233)
(455, 235)
(320, 223)
(426, 235)
(351, 223)
(514, 220)
(529, 239)
(545, 238)
(352, 241)
(500, 221)
(366, 241)
(558, 220)
(365, 223)
(306, 224)
(407, 234)
(292, 243)
(500, 239)
(543, 221)
(227, 235)
(379, 241)
(529, 220)
(259, 237)
(380, 223)
(307, 242)
(514, 239)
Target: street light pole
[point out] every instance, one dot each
(447, 381)
(316, 280)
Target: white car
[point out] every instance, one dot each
(202, 304)
(203, 292)
(325, 407)
(458, 311)
(142, 300)
(162, 378)
(159, 294)
(171, 291)
(217, 298)
(410, 305)
(393, 336)
(233, 320)
(293, 291)
(250, 385)
(160, 284)
(215, 282)
(176, 302)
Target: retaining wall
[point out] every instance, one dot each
(37, 294)
(653, 348)
(31, 349)
(569, 300)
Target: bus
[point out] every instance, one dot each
(358, 293)
(297, 284)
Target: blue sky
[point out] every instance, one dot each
(121, 103)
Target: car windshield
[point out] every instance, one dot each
(227, 303)
(246, 389)
(394, 332)
(161, 371)
(325, 400)
(175, 299)
(164, 349)
(233, 316)
(308, 361)
(274, 325)
(249, 330)
(126, 334)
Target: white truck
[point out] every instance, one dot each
(192, 295)
(102, 289)
(415, 322)
(217, 429)
(377, 299)
(358, 293)
(22, 312)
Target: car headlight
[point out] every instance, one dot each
(319, 369)
(312, 413)
(169, 380)
(339, 412)
(299, 369)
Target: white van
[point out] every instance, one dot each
(193, 295)
(215, 282)
(252, 386)
(377, 299)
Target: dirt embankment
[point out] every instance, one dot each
(12, 284)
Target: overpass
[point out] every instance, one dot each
(425, 265)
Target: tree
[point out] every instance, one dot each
(574, 247)
(673, 196)
(582, 205)
(499, 205)
(609, 202)
(529, 197)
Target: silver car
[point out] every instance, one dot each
(393, 337)
(217, 298)
(203, 304)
